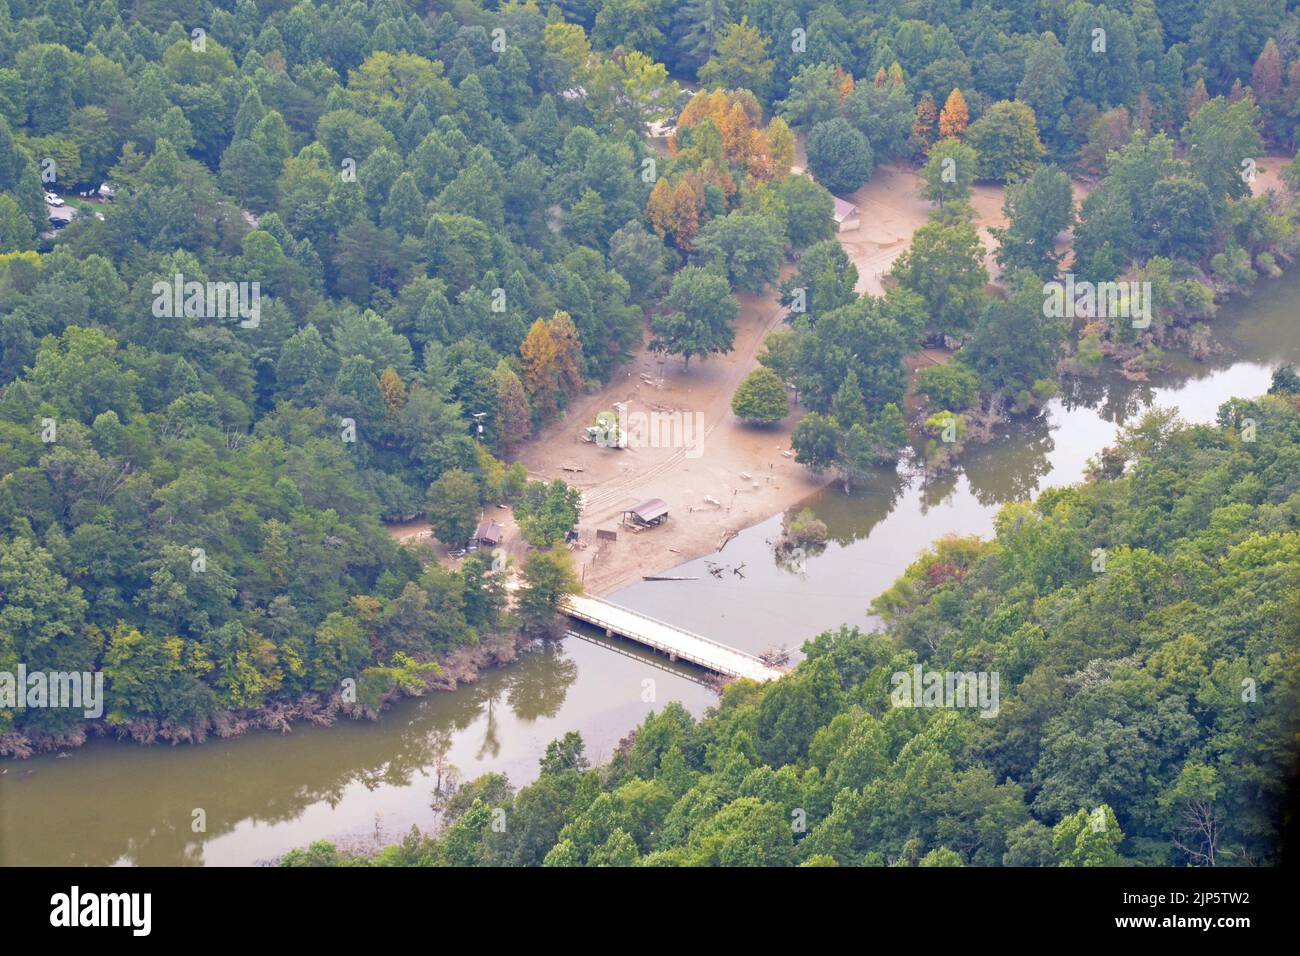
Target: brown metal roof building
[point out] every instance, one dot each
(489, 533)
(845, 214)
(653, 511)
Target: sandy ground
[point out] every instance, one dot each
(689, 472)
(747, 470)
(891, 209)
(711, 460)
(1268, 174)
(687, 477)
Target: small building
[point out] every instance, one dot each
(845, 214)
(488, 534)
(647, 513)
(107, 192)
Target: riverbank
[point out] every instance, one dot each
(728, 477)
(458, 667)
(740, 474)
(364, 783)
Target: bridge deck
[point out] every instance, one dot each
(674, 641)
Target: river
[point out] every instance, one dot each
(362, 784)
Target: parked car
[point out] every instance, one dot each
(61, 216)
(54, 199)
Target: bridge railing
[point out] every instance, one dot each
(605, 623)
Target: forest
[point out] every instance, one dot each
(454, 221)
(1147, 711)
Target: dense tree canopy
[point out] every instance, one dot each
(1144, 713)
(351, 256)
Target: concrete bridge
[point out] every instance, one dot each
(677, 643)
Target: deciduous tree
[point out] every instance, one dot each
(762, 397)
(701, 321)
(453, 507)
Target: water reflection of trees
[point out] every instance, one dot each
(269, 779)
(1012, 469)
(491, 745)
(537, 692)
(850, 517)
(1115, 398)
(1119, 400)
(936, 488)
(794, 560)
(1083, 391)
